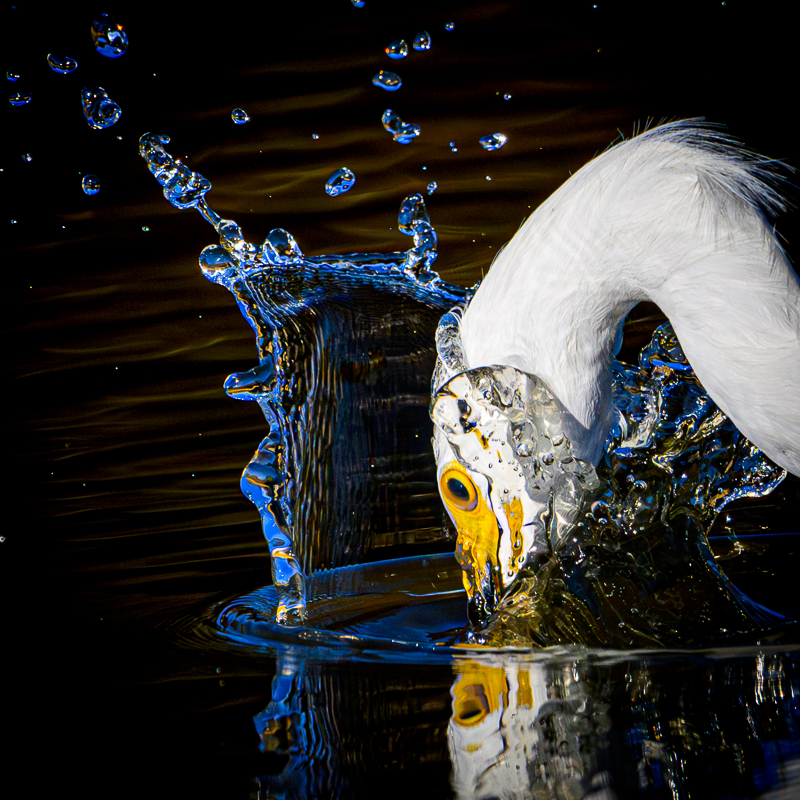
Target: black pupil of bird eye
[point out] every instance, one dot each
(457, 489)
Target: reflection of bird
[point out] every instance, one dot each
(675, 216)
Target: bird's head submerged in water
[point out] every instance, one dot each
(505, 469)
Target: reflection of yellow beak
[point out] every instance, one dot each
(478, 692)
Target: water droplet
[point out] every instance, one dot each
(548, 459)
(525, 448)
(98, 108)
(493, 142)
(145, 228)
(506, 96)
(558, 439)
(315, 136)
(387, 80)
(108, 37)
(340, 182)
(432, 187)
(91, 184)
(19, 98)
(358, 3)
(402, 132)
(640, 486)
(12, 76)
(453, 147)
(422, 41)
(239, 116)
(280, 247)
(27, 157)
(62, 64)
(449, 26)
(397, 49)
(488, 177)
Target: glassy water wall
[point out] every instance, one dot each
(129, 471)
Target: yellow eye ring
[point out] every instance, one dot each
(458, 489)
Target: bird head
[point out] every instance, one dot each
(505, 470)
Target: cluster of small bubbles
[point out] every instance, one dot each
(402, 132)
(315, 136)
(449, 26)
(340, 182)
(98, 108)
(493, 142)
(422, 41)
(239, 116)
(108, 37)
(12, 76)
(387, 80)
(397, 49)
(91, 184)
(432, 187)
(19, 98)
(60, 63)
(27, 157)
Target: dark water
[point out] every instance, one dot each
(127, 532)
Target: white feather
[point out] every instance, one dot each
(675, 216)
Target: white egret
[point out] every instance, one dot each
(678, 216)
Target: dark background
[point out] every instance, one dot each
(123, 512)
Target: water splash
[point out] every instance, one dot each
(98, 108)
(612, 555)
(61, 63)
(402, 132)
(20, 98)
(397, 49)
(90, 184)
(387, 80)
(239, 116)
(615, 555)
(422, 41)
(493, 142)
(110, 40)
(340, 182)
(345, 345)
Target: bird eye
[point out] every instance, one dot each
(458, 489)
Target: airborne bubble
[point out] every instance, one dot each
(98, 108)
(403, 132)
(91, 184)
(340, 182)
(62, 64)
(108, 37)
(422, 41)
(493, 142)
(240, 116)
(397, 49)
(387, 80)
